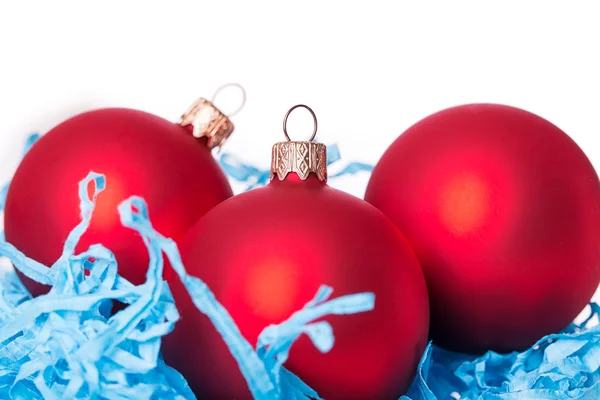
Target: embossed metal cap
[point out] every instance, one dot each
(208, 121)
(301, 157)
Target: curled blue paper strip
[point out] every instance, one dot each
(254, 177)
(275, 341)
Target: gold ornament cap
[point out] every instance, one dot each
(301, 157)
(210, 122)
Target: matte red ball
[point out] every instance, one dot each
(265, 253)
(503, 211)
(140, 154)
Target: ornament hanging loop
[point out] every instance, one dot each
(230, 85)
(285, 120)
(210, 122)
(301, 157)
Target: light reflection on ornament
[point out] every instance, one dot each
(464, 203)
(271, 288)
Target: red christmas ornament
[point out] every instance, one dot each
(265, 252)
(503, 211)
(140, 154)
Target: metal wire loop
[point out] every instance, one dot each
(285, 119)
(228, 85)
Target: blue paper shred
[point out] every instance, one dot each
(64, 345)
(559, 366)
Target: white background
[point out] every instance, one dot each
(368, 69)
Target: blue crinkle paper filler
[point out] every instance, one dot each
(64, 345)
(559, 366)
(61, 345)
